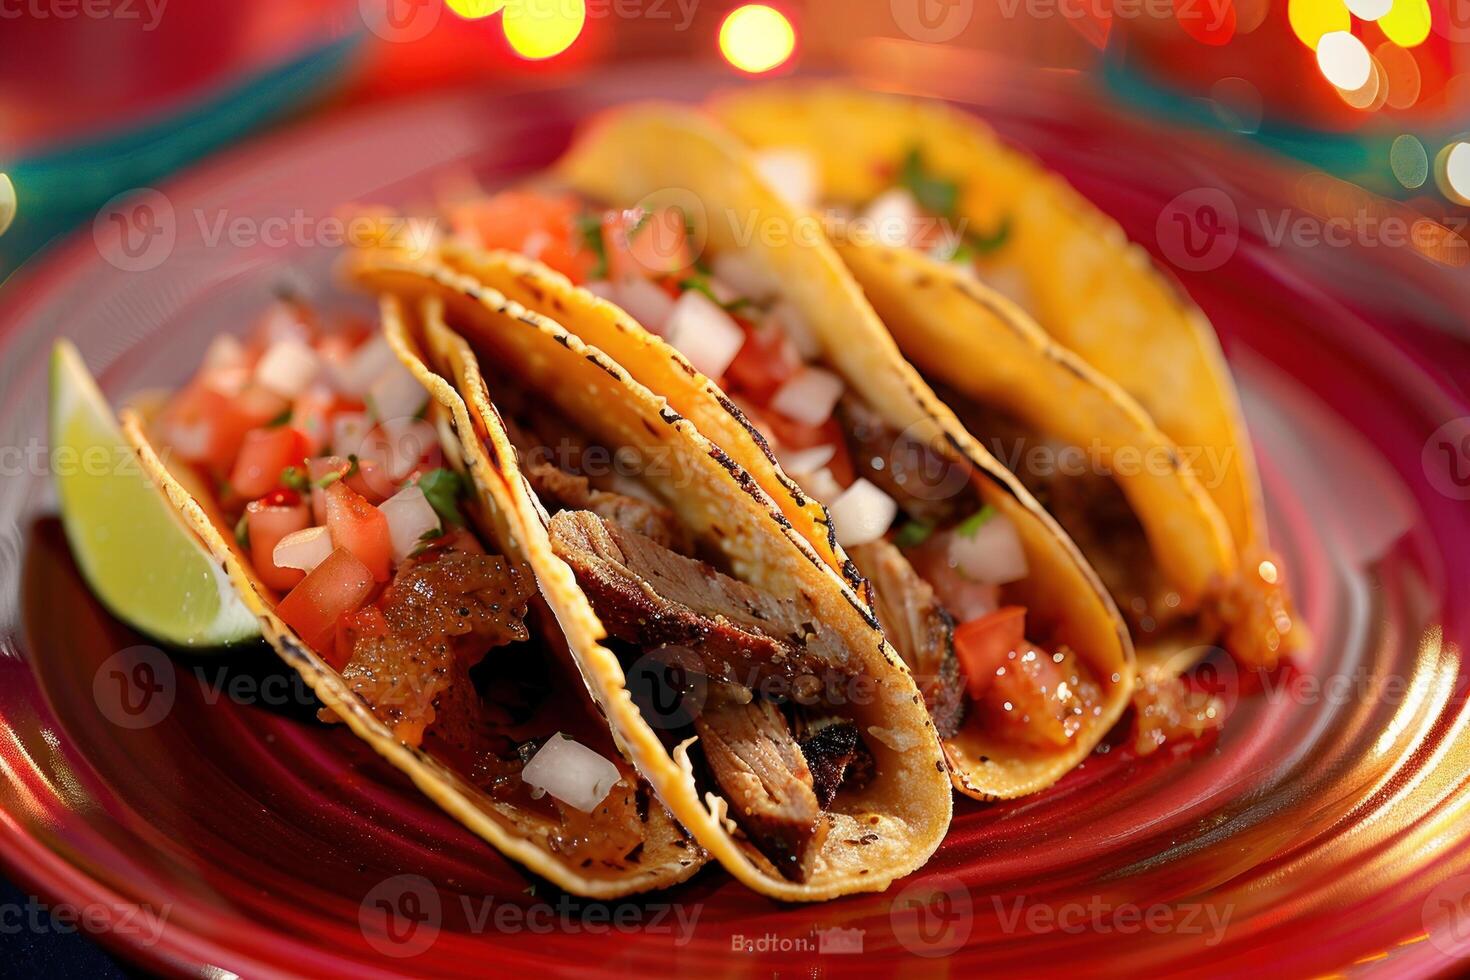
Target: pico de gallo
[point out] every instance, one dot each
(938, 559)
(315, 440)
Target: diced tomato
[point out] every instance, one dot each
(319, 468)
(372, 481)
(267, 524)
(983, 645)
(646, 245)
(312, 413)
(359, 527)
(766, 361)
(205, 426)
(264, 453)
(368, 621)
(540, 225)
(339, 585)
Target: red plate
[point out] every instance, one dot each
(200, 819)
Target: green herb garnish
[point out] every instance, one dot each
(426, 541)
(279, 420)
(975, 521)
(295, 479)
(913, 534)
(589, 229)
(242, 531)
(983, 244)
(934, 194)
(700, 282)
(442, 489)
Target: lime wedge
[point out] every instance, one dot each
(136, 553)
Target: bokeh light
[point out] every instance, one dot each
(1401, 71)
(1407, 24)
(1369, 9)
(756, 38)
(1344, 60)
(538, 29)
(1410, 161)
(1310, 19)
(7, 202)
(474, 9)
(1454, 172)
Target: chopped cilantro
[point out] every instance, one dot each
(426, 541)
(913, 534)
(700, 282)
(589, 231)
(352, 470)
(280, 420)
(295, 479)
(242, 531)
(983, 244)
(442, 489)
(934, 194)
(973, 523)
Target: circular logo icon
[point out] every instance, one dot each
(1199, 230)
(1216, 681)
(923, 472)
(1452, 20)
(134, 688)
(136, 230)
(1446, 916)
(673, 218)
(1446, 458)
(933, 917)
(401, 916)
(932, 21)
(400, 21)
(669, 685)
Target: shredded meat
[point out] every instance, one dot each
(648, 595)
(561, 490)
(764, 777)
(927, 487)
(442, 613)
(919, 627)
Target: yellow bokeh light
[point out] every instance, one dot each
(538, 29)
(474, 9)
(1310, 19)
(1454, 172)
(1407, 24)
(756, 38)
(7, 202)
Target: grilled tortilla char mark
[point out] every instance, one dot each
(764, 776)
(919, 627)
(648, 595)
(837, 757)
(927, 487)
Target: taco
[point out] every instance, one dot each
(329, 482)
(932, 179)
(751, 688)
(1023, 661)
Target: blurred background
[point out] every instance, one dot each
(1359, 109)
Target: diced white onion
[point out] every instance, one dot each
(704, 333)
(365, 366)
(406, 441)
(571, 772)
(410, 517)
(742, 275)
(305, 549)
(807, 460)
(349, 432)
(602, 288)
(287, 367)
(862, 513)
(992, 555)
(225, 351)
(535, 244)
(820, 484)
(283, 322)
(790, 321)
(646, 303)
(792, 173)
(396, 394)
(892, 217)
(809, 396)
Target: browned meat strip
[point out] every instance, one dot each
(559, 490)
(837, 757)
(927, 486)
(919, 627)
(764, 778)
(646, 594)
